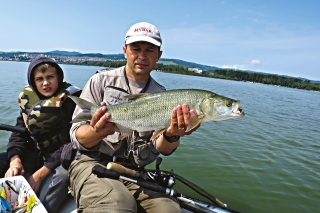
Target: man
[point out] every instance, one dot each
(98, 140)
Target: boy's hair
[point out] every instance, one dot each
(43, 68)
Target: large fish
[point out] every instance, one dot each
(152, 111)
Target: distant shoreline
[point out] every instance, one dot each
(227, 74)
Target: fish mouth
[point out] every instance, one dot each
(238, 111)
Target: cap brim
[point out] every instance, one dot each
(142, 38)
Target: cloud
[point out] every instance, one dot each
(234, 66)
(251, 64)
(255, 62)
(69, 49)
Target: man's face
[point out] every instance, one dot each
(46, 82)
(141, 59)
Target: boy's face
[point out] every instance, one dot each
(46, 82)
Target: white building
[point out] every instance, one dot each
(195, 70)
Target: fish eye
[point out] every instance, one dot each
(229, 104)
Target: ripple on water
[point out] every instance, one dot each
(269, 159)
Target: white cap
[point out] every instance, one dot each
(143, 31)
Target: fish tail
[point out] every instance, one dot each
(86, 109)
(82, 116)
(83, 104)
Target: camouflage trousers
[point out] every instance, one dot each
(101, 195)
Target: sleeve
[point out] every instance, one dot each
(92, 93)
(17, 141)
(54, 161)
(68, 109)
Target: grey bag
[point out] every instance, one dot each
(145, 154)
(67, 155)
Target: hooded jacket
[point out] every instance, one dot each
(33, 65)
(19, 143)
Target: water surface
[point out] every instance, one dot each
(267, 161)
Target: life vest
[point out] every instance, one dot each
(43, 118)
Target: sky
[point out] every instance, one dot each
(270, 36)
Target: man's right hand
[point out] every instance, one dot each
(99, 128)
(100, 122)
(16, 167)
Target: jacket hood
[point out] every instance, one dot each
(41, 60)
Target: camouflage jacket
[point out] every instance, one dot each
(42, 117)
(57, 134)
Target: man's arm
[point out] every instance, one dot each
(86, 135)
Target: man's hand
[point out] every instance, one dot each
(180, 119)
(100, 127)
(100, 122)
(16, 167)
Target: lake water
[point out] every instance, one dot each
(267, 161)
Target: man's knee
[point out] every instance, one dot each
(160, 204)
(104, 193)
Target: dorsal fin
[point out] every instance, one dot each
(135, 96)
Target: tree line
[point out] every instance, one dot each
(264, 78)
(228, 74)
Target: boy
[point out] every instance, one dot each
(46, 112)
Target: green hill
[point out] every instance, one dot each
(120, 57)
(108, 56)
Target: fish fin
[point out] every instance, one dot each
(83, 104)
(157, 134)
(135, 96)
(194, 121)
(125, 132)
(82, 116)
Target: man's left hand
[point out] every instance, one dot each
(180, 119)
